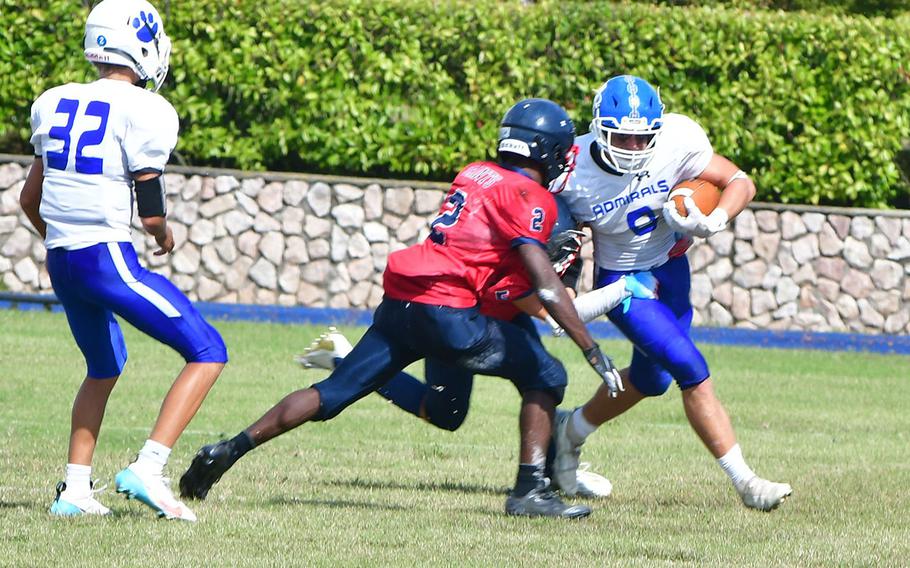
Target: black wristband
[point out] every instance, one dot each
(150, 197)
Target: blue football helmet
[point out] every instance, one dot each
(628, 116)
(541, 130)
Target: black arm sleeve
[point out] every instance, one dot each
(150, 197)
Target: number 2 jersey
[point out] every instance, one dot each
(91, 137)
(488, 211)
(624, 210)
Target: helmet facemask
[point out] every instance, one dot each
(619, 155)
(559, 182)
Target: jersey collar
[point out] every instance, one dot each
(598, 158)
(515, 169)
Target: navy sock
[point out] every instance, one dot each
(405, 392)
(530, 477)
(240, 445)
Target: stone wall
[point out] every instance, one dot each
(289, 239)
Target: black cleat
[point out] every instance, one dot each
(543, 502)
(207, 468)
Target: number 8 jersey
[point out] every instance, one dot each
(91, 137)
(624, 210)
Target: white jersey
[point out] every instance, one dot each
(91, 136)
(624, 211)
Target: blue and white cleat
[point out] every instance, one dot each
(68, 505)
(154, 492)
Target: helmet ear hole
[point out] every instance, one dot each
(145, 52)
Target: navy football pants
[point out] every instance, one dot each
(404, 332)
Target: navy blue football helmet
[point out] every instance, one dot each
(627, 107)
(541, 130)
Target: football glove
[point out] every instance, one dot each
(641, 285)
(563, 249)
(695, 223)
(604, 367)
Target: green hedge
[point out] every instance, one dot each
(865, 7)
(814, 106)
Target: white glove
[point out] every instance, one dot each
(695, 223)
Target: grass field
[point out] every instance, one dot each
(377, 487)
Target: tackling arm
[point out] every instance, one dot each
(557, 301)
(30, 198)
(553, 294)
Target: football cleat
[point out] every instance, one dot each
(153, 491)
(207, 468)
(764, 495)
(592, 485)
(543, 502)
(73, 506)
(565, 463)
(324, 350)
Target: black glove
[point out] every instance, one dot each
(605, 368)
(563, 249)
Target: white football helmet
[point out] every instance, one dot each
(129, 33)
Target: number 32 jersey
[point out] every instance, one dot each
(488, 212)
(91, 136)
(624, 211)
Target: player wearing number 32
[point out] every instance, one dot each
(626, 168)
(95, 145)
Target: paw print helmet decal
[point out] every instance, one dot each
(129, 33)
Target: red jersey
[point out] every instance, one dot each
(488, 212)
(509, 284)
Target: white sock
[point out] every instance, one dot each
(579, 427)
(153, 457)
(598, 302)
(595, 303)
(78, 479)
(735, 466)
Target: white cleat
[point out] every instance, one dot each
(592, 485)
(152, 490)
(565, 463)
(323, 351)
(764, 495)
(67, 504)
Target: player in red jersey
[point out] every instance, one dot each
(495, 215)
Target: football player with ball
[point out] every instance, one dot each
(626, 169)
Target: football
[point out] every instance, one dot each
(704, 193)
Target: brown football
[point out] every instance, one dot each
(704, 193)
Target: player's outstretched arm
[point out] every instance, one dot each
(556, 300)
(30, 198)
